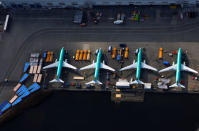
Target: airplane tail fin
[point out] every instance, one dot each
(137, 82)
(94, 82)
(177, 85)
(57, 80)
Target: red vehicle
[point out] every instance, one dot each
(83, 24)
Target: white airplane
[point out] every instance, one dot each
(138, 65)
(59, 64)
(97, 66)
(178, 67)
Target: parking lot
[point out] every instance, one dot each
(154, 15)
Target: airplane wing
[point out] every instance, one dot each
(51, 65)
(106, 67)
(65, 64)
(145, 66)
(170, 68)
(88, 67)
(185, 68)
(134, 65)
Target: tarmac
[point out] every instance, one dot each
(150, 55)
(48, 31)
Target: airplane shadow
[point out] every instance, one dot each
(87, 75)
(128, 74)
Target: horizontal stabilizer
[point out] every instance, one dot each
(56, 81)
(94, 82)
(177, 85)
(137, 82)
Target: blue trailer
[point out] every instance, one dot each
(44, 55)
(25, 76)
(23, 91)
(27, 64)
(66, 84)
(32, 86)
(23, 87)
(25, 94)
(166, 63)
(118, 57)
(34, 89)
(16, 101)
(7, 106)
(3, 104)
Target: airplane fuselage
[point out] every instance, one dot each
(98, 63)
(178, 66)
(61, 56)
(138, 69)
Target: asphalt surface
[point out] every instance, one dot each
(39, 31)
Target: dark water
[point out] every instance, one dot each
(75, 111)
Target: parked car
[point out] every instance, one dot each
(120, 19)
(110, 48)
